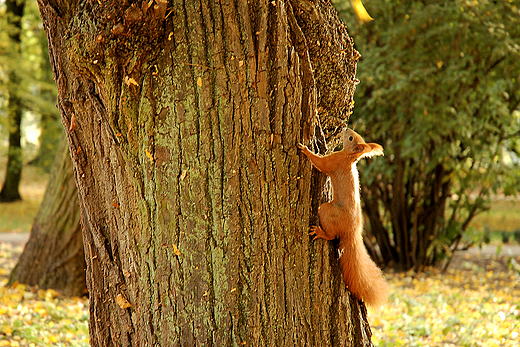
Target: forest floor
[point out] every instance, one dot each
(35, 317)
(476, 302)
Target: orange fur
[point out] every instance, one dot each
(342, 217)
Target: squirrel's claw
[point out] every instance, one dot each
(319, 233)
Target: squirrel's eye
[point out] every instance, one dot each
(350, 138)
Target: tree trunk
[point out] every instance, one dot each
(53, 257)
(10, 192)
(183, 120)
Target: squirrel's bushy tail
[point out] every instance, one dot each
(362, 276)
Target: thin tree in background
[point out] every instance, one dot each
(10, 189)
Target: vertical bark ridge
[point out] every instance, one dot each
(206, 150)
(276, 190)
(221, 231)
(155, 267)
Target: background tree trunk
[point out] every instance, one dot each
(182, 121)
(10, 192)
(53, 257)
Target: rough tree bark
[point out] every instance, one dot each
(182, 120)
(10, 191)
(53, 256)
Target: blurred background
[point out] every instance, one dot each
(30, 126)
(440, 90)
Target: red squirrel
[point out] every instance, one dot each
(342, 217)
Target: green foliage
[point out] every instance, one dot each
(37, 88)
(440, 91)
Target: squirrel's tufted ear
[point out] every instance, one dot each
(371, 149)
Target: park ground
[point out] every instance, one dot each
(476, 302)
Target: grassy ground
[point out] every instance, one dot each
(18, 216)
(500, 224)
(503, 216)
(32, 317)
(476, 303)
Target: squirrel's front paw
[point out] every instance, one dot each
(301, 146)
(319, 233)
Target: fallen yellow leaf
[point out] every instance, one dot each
(149, 155)
(176, 250)
(122, 302)
(130, 81)
(7, 330)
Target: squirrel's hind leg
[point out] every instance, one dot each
(327, 229)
